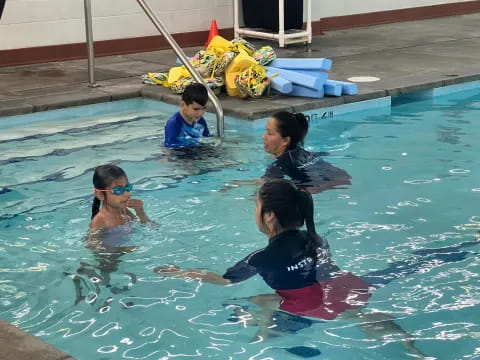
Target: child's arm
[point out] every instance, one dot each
(244, 182)
(93, 239)
(206, 132)
(172, 130)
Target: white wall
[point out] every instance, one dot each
(29, 23)
(329, 8)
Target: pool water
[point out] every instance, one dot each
(414, 186)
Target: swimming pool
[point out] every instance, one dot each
(413, 187)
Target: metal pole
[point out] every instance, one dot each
(236, 25)
(91, 53)
(281, 23)
(309, 21)
(158, 24)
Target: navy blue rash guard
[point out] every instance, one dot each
(178, 133)
(306, 287)
(285, 264)
(306, 168)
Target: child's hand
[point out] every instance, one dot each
(135, 204)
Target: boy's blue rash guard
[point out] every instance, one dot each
(180, 134)
(285, 264)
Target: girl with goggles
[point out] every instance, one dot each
(110, 209)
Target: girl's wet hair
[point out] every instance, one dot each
(103, 177)
(294, 125)
(292, 208)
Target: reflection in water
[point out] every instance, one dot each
(97, 276)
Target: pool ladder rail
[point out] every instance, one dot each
(176, 48)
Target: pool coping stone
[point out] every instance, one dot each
(248, 109)
(19, 345)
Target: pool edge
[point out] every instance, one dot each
(19, 345)
(252, 109)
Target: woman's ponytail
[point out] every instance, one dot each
(302, 123)
(305, 207)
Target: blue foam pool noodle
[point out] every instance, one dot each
(322, 75)
(302, 64)
(279, 83)
(295, 77)
(332, 88)
(299, 90)
(348, 88)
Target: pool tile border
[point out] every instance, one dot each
(452, 89)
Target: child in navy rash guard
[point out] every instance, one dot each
(187, 126)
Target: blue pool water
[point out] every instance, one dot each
(415, 186)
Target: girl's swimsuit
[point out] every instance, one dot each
(307, 287)
(117, 236)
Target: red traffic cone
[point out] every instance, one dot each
(213, 32)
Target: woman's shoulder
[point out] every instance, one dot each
(298, 155)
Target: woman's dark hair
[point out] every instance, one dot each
(292, 208)
(294, 125)
(103, 177)
(195, 92)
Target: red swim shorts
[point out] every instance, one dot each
(327, 299)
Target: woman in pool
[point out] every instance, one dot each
(283, 138)
(111, 220)
(296, 263)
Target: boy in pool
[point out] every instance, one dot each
(186, 126)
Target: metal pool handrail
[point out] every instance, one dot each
(91, 53)
(158, 24)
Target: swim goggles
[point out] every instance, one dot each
(118, 190)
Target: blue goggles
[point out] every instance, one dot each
(119, 190)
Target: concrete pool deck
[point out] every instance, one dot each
(407, 56)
